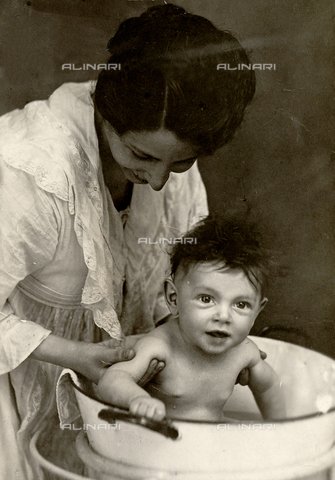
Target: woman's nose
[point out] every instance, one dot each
(158, 177)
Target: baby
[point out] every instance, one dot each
(216, 290)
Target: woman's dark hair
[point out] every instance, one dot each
(231, 242)
(168, 77)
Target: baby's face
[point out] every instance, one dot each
(216, 307)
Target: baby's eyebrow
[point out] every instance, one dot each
(246, 296)
(250, 300)
(205, 290)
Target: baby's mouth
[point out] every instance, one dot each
(218, 334)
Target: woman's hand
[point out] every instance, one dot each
(96, 358)
(89, 359)
(126, 341)
(155, 366)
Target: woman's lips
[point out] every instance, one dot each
(139, 178)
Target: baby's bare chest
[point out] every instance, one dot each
(195, 383)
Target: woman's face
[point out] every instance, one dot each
(149, 157)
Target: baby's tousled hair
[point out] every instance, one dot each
(232, 243)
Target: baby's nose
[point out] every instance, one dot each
(223, 314)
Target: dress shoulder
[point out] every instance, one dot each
(185, 199)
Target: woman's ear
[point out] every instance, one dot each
(170, 292)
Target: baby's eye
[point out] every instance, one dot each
(205, 298)
(243, 305)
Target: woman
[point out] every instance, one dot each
(85, 177)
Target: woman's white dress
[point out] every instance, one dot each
(70, 263)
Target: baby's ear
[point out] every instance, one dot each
(170, 293)
(263, 303)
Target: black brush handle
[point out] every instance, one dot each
(164, 427)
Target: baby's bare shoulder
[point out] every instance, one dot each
(156, 341)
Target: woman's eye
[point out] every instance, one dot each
(205, 298)
(243, 305)
(142, 158)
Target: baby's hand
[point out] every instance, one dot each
(148, 407)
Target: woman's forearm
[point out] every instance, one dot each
(59, 351)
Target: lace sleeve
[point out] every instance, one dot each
(29, 235)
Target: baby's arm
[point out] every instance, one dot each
(118, 385)
(266, 388)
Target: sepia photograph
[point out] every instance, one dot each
(167, 240)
